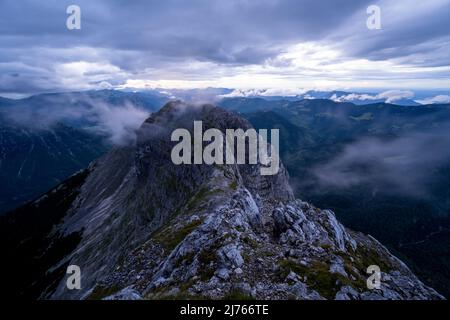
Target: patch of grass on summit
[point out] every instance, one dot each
(169, 240)
(318, 277)
(233, 185)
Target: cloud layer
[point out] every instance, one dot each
(441, 98)
(117, 122)
(238, 44)
(390, 96)
(401, 165)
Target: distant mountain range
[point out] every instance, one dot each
(32, 161)
(398, 97)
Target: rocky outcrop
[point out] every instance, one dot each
(151, 229)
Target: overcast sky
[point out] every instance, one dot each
(283, 44)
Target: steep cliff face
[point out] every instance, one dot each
(151, 229)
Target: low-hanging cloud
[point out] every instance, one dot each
(403, 165)
(389, 96)
(441, 98)
(118, 123)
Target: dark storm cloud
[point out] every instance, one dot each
(222, 31)
(416, 32)
(154, 35)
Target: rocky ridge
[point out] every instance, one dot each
(154, 230)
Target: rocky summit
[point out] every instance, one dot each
(141, 227)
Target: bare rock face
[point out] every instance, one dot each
(151, 229)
